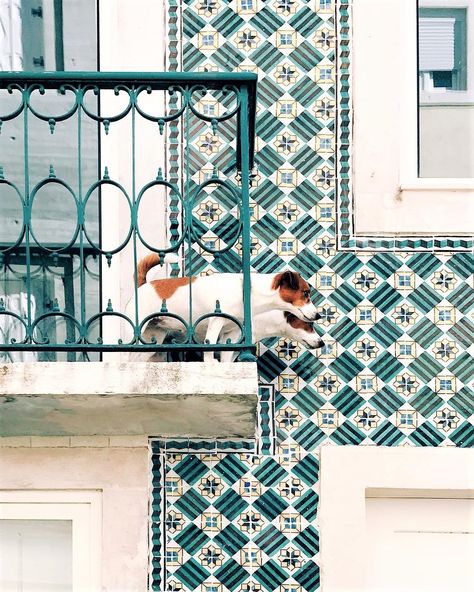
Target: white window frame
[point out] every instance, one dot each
(351, 474)
(389, 197)
(83, 508)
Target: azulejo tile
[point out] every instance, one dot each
(398, 324)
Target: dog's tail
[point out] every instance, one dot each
(152, 260)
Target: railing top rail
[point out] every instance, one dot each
(217, 78)
(157, 80)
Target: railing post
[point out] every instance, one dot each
(247, 354)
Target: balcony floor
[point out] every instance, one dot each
(172, 399)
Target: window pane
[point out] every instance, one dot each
(446, 84)
(36, 555)
(36, 36)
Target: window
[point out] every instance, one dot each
(68, 39)
(446, 88)
(49, 541)
(442, 48)
(392, 196)
(35, 554)
(39, 36)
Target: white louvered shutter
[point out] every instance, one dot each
(436, 44)
(11, 53)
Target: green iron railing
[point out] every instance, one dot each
(59, 277)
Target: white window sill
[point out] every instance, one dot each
(441, 184)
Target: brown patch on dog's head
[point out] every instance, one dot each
(297, 323)
(293, 288)
(167, 287)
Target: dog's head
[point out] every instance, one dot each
(303, 332)
(295, 292)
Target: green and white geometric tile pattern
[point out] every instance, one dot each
(397, 368)
(237, 521)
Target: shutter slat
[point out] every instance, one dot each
(436, 44)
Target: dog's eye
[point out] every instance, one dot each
(306, 293)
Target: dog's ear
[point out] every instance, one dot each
(287, 279)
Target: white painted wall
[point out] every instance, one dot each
(132, 38)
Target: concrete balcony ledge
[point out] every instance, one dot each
(173, 399)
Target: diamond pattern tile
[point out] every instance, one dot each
(397, 314)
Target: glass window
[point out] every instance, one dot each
(50, 541)
(35, 36)
(36, 555)
(446, 88)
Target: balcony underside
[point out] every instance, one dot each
(158, 399)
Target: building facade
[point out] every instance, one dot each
(336, 196)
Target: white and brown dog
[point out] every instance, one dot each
(284, 291)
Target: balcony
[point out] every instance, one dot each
(98, 171)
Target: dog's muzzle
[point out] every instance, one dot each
(311, 319)
(318, 344)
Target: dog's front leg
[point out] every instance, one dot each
(214, 329)
(231, 336)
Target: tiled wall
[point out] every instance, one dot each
(398, 324)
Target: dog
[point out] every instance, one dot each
(285, 291)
